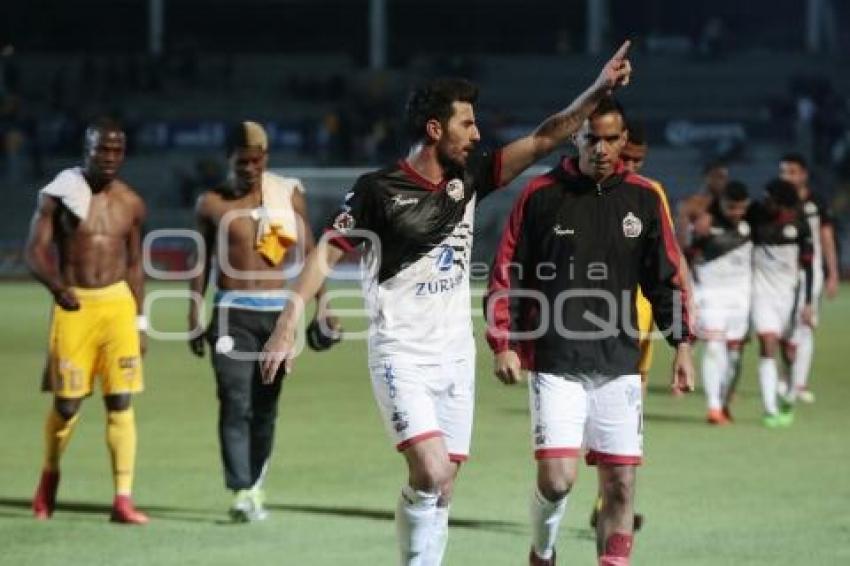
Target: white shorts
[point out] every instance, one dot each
(604, 418)
(773, 314)
(422, 401)
(722, 314)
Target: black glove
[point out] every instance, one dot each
(320, 336)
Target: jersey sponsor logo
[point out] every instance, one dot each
(343, 222)
(399, 200)
(632, 226)
(445, 259)
(563, 231)
(454, 189)
(438, 286)
(790, 232)
(744, 228)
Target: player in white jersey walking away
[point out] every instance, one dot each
(800, 350)
(782, 247)
(412, 221)
(721, 250)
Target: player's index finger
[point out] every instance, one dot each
(624, 48)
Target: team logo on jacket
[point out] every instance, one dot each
(790, 232)
(454, 189)
(632, 226)
(744, 228)
(343, 222)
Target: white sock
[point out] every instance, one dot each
(768, 378)
(733, 371)
(715, 364)
(804, 338)
(545, 518)
(415, 520)
(437, 546)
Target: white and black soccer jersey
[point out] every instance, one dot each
(722, 268)
(817, 215)
(723, 257)
(416, 242)
(783, 246)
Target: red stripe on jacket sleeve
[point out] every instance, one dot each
(674, 255)
(498, 314)
(671, 248)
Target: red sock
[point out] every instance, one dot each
(618, 548)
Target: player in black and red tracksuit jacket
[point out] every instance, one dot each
(561, 303)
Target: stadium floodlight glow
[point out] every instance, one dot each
(290, 269)
(173, 233)
(182, 294)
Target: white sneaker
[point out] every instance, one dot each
(240, 510)
(248, 506)
(805, 396)
(258, 500)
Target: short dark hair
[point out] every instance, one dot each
(609, 105)
(637, 132)
(794, 157)
(736, 191)
(103, 124)
(782, 192)
(433, 100)
(712, 165)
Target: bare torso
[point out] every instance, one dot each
(94, 253)
(236, 245)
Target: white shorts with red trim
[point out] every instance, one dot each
(722, 314)
(421, 401)
(773, 313)
(605, 418)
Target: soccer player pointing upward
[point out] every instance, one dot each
(412, 221)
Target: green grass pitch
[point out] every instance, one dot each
(740, 495)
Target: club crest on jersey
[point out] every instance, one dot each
(790, 232)
(343, 222)
(454, 189)
(744, 228)
(632, 226)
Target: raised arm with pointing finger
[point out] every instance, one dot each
(439, 151)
